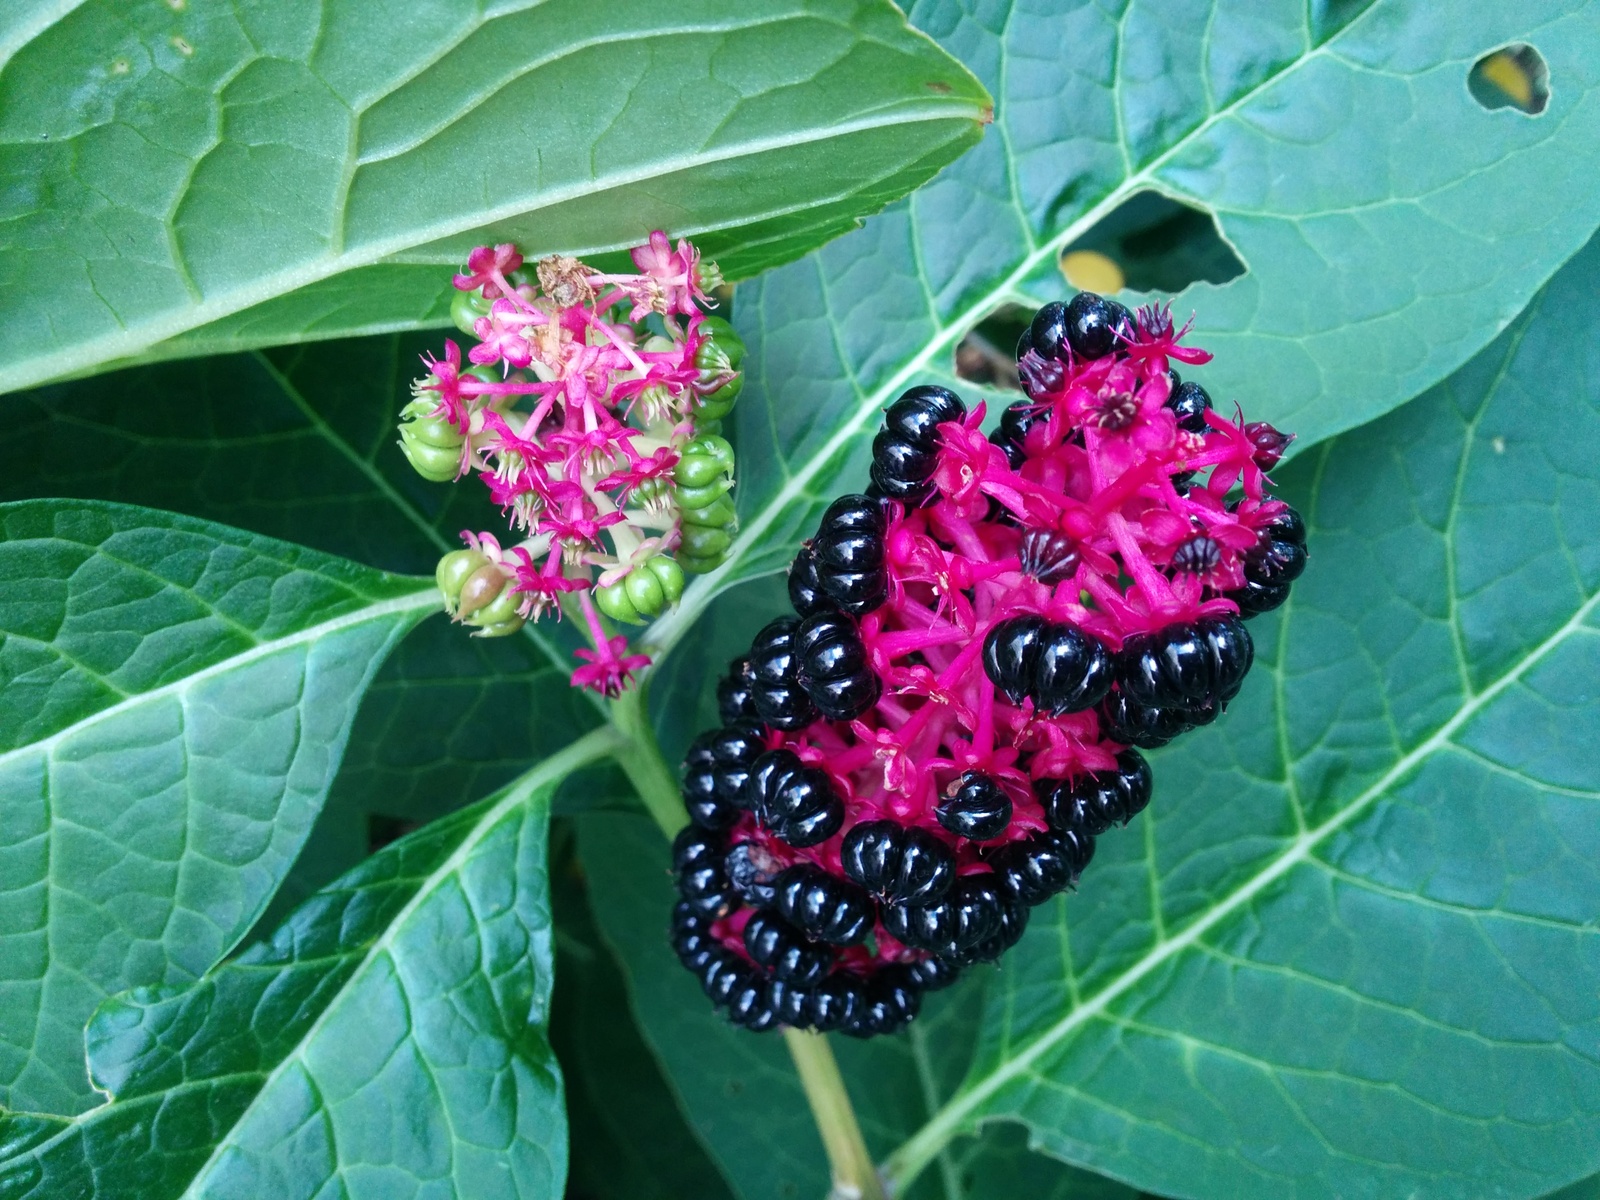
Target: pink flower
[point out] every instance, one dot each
(608, 670)
(487, 268)
(672, 272)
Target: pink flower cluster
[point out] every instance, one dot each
(574, 408)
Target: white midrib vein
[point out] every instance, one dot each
(666, 631)
(425, 599)
(906, 1162)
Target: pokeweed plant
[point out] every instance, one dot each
(284, 905)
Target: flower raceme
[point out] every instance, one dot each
(590, 407)
(931, 743)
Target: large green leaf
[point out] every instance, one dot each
(1351, 950)
(389, 1040)
(166, 166)
(740, 1090)
(178, 696)
(1389, 224)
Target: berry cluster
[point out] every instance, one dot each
(591, 409)
(930, 744)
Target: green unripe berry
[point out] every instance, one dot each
(645, 590)
(651, 491)
(670, 574)
(501, 628)
(466, 308)
(718, 404)
(436, 464)
(703, 541)
(614, 601)
(499, 611)
(435, 431)
(452, 572)
(718, 514)
(699, 497)
(700, 566)
(721, 350)
(706, 448)
(480, 589)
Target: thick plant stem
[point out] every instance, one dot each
(854, 1175)
(640, 759)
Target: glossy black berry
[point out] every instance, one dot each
(979, 810)
(1272, 564)
(1048, 555)
(1072, 671)
(935, 973)
(735, 696)
(1197, 555)
(1125, 720)
(833, 1003)
(823, 907)
(695, 948)
(1011, 653)
(1048, 331)
(697, 861)
(796, 802)
(722, 975)
(968, 914)
(788, 1002)
(748, 1007)
(1189, 402)
(706, 808)
(775, 687)
(891, 1001)
(1015, 422)
(902, 471)
(1254, 599)
(1041, 866)
(894, 863)
(1014, 916)
(833, 667)
(1192, 666)
(849, 554)
(1094, 802)
(777, 945)
(752, 872)
(805, 585)
(1092, 324)
(734, 748)
(915, 417)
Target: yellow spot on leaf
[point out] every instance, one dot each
(1091, 271)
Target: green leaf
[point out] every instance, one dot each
(739, 1089)
(1390, 226)
(300, 444)
(178, 698)
(388, 1040)
(168, 166)
(1354, 936)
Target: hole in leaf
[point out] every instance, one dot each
(1156, 244)
(988, 354)
(1514, 76)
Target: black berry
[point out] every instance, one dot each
(822, 906)
(735, 698)
(697, 862)
(1072, 671)
(706, 807)
(734, 748)
(805, 585)
(894, 863)
(777, 945)
(915, 417)
(1041, 866)
(935, 973)
(779, 699)
(969, 913)
(752, 872)
(1092, 324)
(1189, 403)
(978, 811)
(1010, 654)
(1047, 555)
(796, 802)
(891, 1002)
(1126, 720)
(1015, 422)
(849, 554)
(833, 667)
(1195, 667)
(1094, 802)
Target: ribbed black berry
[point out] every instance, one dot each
(1094, 802)
(833, 667)
(824, 907)
(796, 802)
(779, 699)
(1015, 422)
(735, 693)
(805, 585)
(1194, 666)
(849, 554)
(1014, 916)
(752, 873)
(1072, 671)
(1048, 331)
(979, 810)
(706, 807)
(1197, 555)
(1091, 325)
(1048, 555)
(830, 1005)
(892, 1000)
(734, 748)
(1041, 866)
(901, 471)
(968, 914)
(697, 862)
(935, 973)
(748, 1007)
(1189, 403)
(787, 953)
(916, 416)
(895, 863)
(1127, 721)
(1010, 653)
